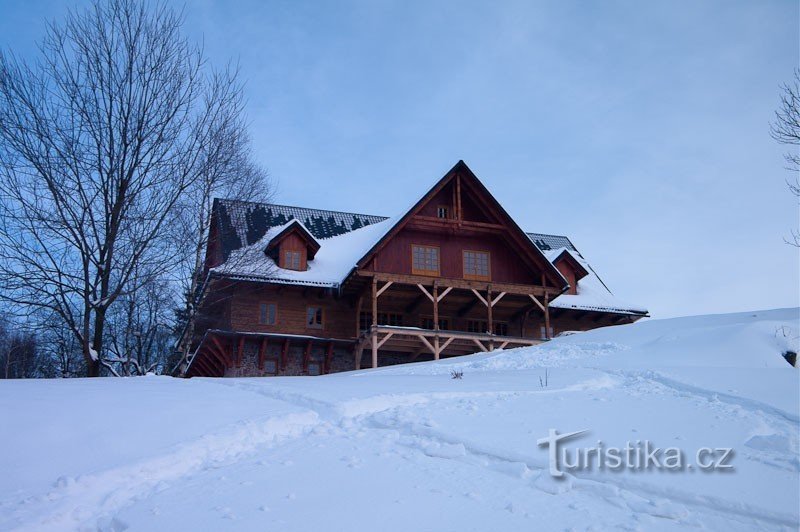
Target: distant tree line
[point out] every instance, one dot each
(113, 144)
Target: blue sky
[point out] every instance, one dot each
(638, 129)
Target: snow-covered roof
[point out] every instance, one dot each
(332, 264)
(593, 294)
(338, 256)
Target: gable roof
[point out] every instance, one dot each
(297, 227)
(463, 171)
(567, 255)
(348, 237)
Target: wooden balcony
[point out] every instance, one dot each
(439, 343)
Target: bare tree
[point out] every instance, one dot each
(98, 142)
(236, 176)
(141, 330)
(786, 130)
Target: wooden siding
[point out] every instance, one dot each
(505, 265)
(293, 242)
(567, 271)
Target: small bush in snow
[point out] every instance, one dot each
(457, 374)
(545, 382)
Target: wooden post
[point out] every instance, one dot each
(435, 306)
(240, 356)
(436, 347)
(374, 348)
(328, 359)
(547, 315)
(359, 304)
(374, 332)
(358, 352)
(262, 352)
(374, 302)
(307, 356)
(490, 323)
(284, 355)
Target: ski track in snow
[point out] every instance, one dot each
(375, 413)
(78, 503)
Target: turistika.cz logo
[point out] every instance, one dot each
(640, 455)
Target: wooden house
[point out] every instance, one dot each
(295, 291)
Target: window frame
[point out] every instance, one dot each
(472, 276)
(446, 209)
(444, 320)
(261, 305)
(321, 310)
(288, 259)
(428, 273)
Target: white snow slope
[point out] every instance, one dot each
(408, 448)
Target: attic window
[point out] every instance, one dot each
(291, 260)
(442, 212)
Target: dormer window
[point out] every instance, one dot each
(292, 246)
(292, 260)
(442, 211)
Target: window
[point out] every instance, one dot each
(477, 326)
(291, 260)
(500, 328)
(442, 212)
(476, 265)
(390, 319)
(384, 318)
(314, 318)
(424, 260)
(427, 323)
(268, 314)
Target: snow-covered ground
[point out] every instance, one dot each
(408, 448)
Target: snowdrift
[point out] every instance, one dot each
(407, 447)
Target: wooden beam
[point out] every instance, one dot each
(436, 348)
(374, 347)
(503, 345)
(435, 299)
(480, 297)
(385, 338)
(225, 352)
(538, 304)
(262, 350)
(307, 355)
(284, 354)
(498, 298)
(510, 288)
(374, 302)
(427, 343)
(359, 304)
(547, 316)
(480, 344)
(446, 291)
(425, 291)
(240, 353)
(326, 368)
(384, 288)
(358, 352)
(489, 306)
(446, 343)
